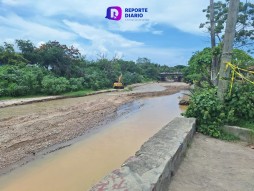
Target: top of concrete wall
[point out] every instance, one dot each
(155, 162)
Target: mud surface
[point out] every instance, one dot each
(26, 130)
(215, 165)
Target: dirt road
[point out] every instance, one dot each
(25, 130)
(215, 165)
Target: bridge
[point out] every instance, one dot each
(177, 76)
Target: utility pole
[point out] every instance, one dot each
(227, 48)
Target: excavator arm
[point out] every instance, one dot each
(119, 84)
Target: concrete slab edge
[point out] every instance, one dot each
(243, 133)
(153, 166)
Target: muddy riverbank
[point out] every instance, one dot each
(28, 129)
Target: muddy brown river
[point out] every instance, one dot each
(82, 164)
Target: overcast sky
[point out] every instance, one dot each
(169, 35)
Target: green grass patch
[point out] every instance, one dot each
(68, 94)
(246, 124)
(128, 89)
(228, 137)
(78, 93)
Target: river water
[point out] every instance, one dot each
(85, 162)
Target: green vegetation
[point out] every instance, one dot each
(78, 93)
(199, 65)
(245, 124)
(236, 105)
(54, 69)
(211, 113)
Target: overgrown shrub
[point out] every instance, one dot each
(53, 85)
(241, 100)
(19, 80)
(14, 89)
(96, 80)
(208, 110)
(211, 113)
(76, 84)
(131, 78)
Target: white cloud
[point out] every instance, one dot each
(184, 15)
(18, 28)
(164, 56)
(101, 38)
(158, 32)
(40, 43)
(15, 2)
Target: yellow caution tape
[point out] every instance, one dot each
(236, 67)
(236, 70)
(232, 81)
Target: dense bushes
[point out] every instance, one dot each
(76, 84)
(205, 105)
(211, 113)
(208, 110)
(130, 78)
(241, 101)
(56, 85)
(52, 85)
(20, 80)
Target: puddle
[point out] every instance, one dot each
(84, 163)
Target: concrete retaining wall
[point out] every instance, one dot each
(243, 133)
(154, 164)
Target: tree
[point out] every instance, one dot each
(216, 14)
(215, 60)
(199, 66)
(149, 70)
(9, 56)
(242, 59)
(59, 58)
(179, 68)
(227, 48)
(244, 36)
(28, 50)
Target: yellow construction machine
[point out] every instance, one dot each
(118, 84)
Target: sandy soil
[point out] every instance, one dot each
(214, 165)
(23, 101)
(25, 130)
(5, 103)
